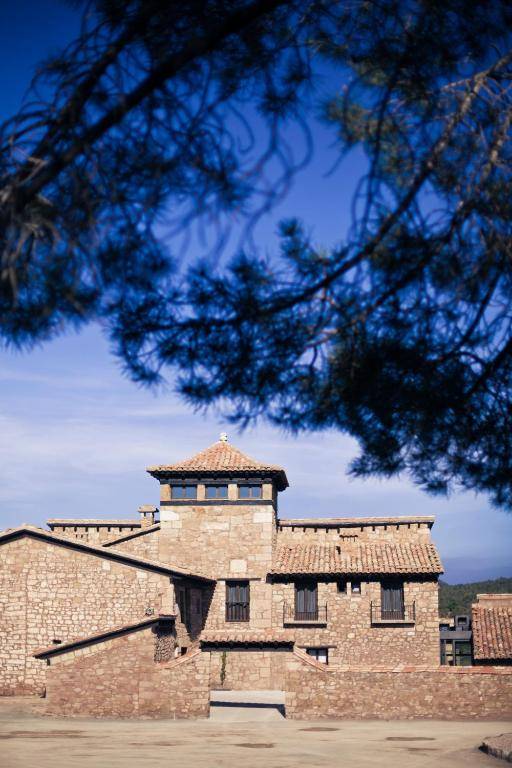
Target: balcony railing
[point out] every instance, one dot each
(316, 615)
(405, 614)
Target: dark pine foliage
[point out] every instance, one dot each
(162, 114)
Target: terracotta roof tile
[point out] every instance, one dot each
(357, 558)
(240, 636)
(492, 632)
(220, 457)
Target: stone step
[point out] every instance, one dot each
(246, 706)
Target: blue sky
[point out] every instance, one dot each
(76, 435)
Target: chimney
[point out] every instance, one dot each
(147, 515)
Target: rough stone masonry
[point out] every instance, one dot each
(142, 617)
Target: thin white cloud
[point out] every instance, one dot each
(75, 439)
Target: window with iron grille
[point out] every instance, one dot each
(306, 601)
(237, 601)
(216, 491)
(249, 491)
(183, 491)
(392, 601)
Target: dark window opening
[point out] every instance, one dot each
(342, 587)
(306, 601)
(456, 653)
(356, 587)
(237, 601)
(216, 491)
(183, 491)
(392, 601)
(184, 605)
(249, 491)
(320, 654)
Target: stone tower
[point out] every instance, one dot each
(218, 511)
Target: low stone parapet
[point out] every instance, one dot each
(405, 692)
(119, 677)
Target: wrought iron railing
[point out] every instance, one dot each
(405, 612)
(316, 615)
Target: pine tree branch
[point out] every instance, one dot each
(200, 46)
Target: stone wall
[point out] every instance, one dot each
(349, 633)
(448, 693)
(221, 541)
(51, 592)
(260, 610)
(224, 542)
(122, 677)
(145, 545)
(95, 534)
(250, 670)
(329, 534)
(185, 684)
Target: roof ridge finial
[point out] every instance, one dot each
(223, 437)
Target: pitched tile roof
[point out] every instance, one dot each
(492, 632)
(269, 636)
(108, 553)
(221, 457)
(357, 558)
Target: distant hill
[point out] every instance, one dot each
(457, 598)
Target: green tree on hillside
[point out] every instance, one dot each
(457, 598)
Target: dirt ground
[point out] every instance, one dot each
(28, 738)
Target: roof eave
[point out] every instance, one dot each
(340, 573)
(353, 522)
(163, 472)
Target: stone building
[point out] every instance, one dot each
(492, 629)
(212, 589)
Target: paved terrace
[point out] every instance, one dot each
(28, 739)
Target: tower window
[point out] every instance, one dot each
(183, 491)
(237, 601)
(216, 491)
(249, 491)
